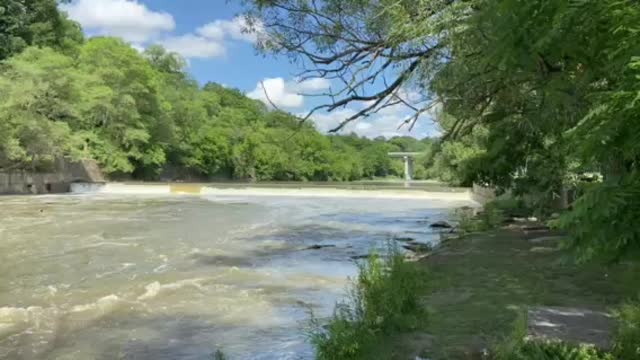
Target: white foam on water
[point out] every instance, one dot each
(123, 267)
(101, 306)
(154, 289)
(16, 319)
(107, 244)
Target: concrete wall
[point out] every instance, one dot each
(27, 183)
(59, 181)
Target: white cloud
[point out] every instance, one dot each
(193, 46)
(384, 123)
(311, 85)
(326, 121)
(286, 94)
(236, 29)
(139, 48)
(136, 23)
(128, 19)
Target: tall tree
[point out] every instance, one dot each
(35, 22)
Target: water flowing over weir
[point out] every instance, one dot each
(101, 276)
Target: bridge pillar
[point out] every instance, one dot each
(408, 168)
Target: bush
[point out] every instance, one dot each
(491, 217)
(383, 300)
(627, 339)
(512, 206)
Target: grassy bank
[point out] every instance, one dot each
(474, 289)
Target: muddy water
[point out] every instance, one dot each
(133, 277)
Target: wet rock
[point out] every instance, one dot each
(404, 239)
(575, 326)
(418, 247)
(319, 247)
(359, 257)
(441, 225)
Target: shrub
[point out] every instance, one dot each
(511, 206)
(627, 339)
(466, 221)
(382, 300)
(491, 217)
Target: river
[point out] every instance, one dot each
(178, 277)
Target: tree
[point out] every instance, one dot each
(41, 94)
(129, 109)
(35, 22)
(375, 50)
(551, 84)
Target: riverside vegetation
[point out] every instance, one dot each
(536, 98)
(469, 298)
(142, 116)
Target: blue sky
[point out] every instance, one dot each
(208, 33)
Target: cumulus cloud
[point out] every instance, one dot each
(384, 123)
(236, 29)
(128, 19)
(286, 94)
(193, 46)
(133, 21)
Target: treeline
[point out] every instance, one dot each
(141, 115)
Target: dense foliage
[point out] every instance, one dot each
(537, 97)
(141, 115)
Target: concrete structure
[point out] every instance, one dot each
(408, 162)
(54, 182)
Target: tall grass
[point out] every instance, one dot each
(627, 339)
(491, 217)
(382, 300)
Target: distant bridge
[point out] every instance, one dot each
(408, 162)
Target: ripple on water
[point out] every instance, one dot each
(165, 278)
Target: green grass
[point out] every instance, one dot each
(474, 290)
(480, 284)
(627, 342)
(381, 302)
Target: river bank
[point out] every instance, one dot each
(480, 286)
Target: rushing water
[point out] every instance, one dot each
(132, 277)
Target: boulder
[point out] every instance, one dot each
(441, 225)
(318, 247)
(404, 239)
(418, 247)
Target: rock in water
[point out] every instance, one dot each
(318, 247)
(404, 239)
(440, 225)
(418, 248)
